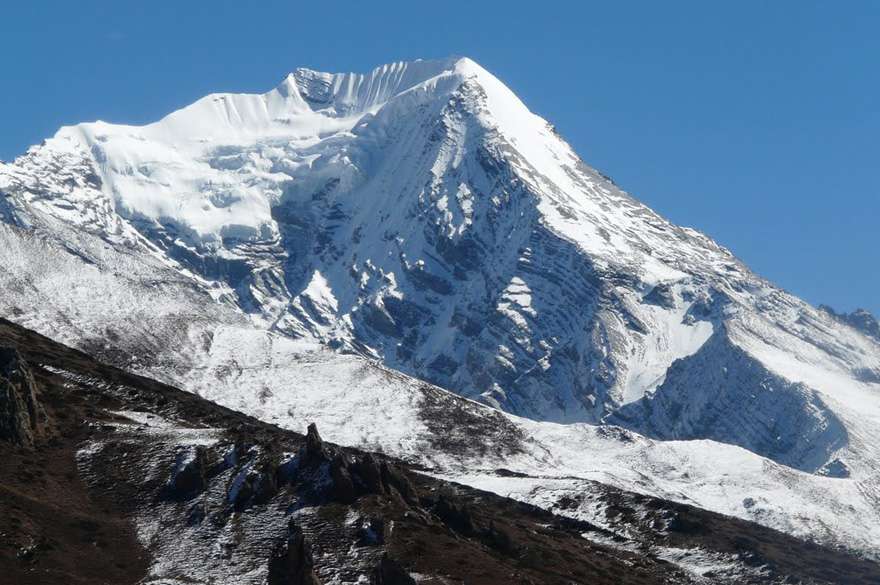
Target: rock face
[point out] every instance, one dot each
(314, 449)
(190, 473)
(742, 403)
(292, 563)
(21, 417)
(860, 319)
(388, 572)
(351, 477)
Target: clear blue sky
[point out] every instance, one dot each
(756, 122)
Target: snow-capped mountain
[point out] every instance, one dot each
(420, 216)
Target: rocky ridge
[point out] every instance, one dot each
(140, 482)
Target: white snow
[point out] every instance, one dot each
(670, 337)
(320, 293)
(383, 166)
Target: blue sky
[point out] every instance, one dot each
(755, 122)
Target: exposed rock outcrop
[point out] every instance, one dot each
(189, 475)
(859, 319)
(352, 476)
(390, 572)
(21, 417)
(723, 393)
(292, 562)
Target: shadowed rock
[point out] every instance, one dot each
(389, 572)
(455, 516)
(355, 476)
(292, 562)
(20, 413)
(255, 486)
(314, 448)
(343, 489)
(372, 532)
(189, 475)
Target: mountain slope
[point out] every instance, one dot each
(132, 311)
(419, 215)
(140, 482)
(859, 319)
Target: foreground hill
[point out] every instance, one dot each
(111, 477)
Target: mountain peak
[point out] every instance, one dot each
(349, 93)
(420, 215)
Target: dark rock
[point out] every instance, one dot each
(240, 498)
(292, 562)
(499, 539)
(229, 460)
(266, 484)
(354, 476)
(465, 254)
(317, 457)
(468, 326)
(426, 280)
(368, 474)
(682, 523)
(405, 313)
(460, 518)
(314, 448)
(343, 489)
(393, 477)
(189, 476)
(380, 321)
(661, 295)
(865, 322)
(568, 502)
(372, 532)
(390, 572)
(287, 471)
(197, 513)
(21, 416)
(455, 516)
(443, 365)
(257, 487)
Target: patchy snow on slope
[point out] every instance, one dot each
(709, 565)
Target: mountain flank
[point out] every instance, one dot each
(124, 470)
